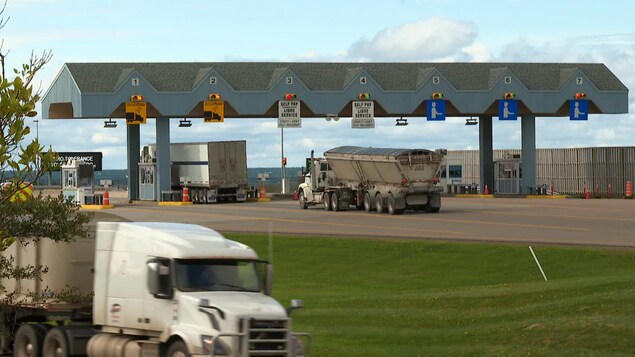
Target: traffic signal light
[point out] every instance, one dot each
(136, 98)
(509, 95)
(363, 96)
(284, 161)
(437, 95)
(580, 95)
(214, 96)
(290, 96)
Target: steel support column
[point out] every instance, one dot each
(486, 153)
(133, 148)
(163, 156)
(528, 156)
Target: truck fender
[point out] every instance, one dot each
(187, 335)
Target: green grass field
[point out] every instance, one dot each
(414, 298)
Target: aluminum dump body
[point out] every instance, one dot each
(383, 165)
(69, 265)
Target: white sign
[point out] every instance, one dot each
(363, 114)
(289, 114)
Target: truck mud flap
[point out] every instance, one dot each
(416, 200)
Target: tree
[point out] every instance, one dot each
(25, 222)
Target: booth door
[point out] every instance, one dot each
(147, 187)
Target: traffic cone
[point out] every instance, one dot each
(106, 198)
(587, 194)
(295, 195)
(486, 192)
(552, 188)
(608, 192)
(629, 189)
(186, 194)
(263, 192)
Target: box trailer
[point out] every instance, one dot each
(212, 171)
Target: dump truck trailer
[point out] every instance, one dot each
(374, 179)
(153, 289)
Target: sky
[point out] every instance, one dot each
(325, 31)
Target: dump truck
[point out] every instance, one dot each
(154, 289)
(212, 171)
(374, 179)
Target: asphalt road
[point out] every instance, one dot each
(568, 221)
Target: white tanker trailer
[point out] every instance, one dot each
(374, 179)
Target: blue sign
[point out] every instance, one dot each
(508, 109)
(579, 109)
(435, 109)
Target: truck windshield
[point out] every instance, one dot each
(217, 275)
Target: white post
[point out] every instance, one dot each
(538, 263)
(271, 242)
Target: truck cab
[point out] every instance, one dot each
(187, 290)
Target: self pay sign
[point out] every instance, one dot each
(289, 114)
(363, 114)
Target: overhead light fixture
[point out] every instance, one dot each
(110, 123)
(334, 117)
(471, 121)
(402, 122)
(185, 123)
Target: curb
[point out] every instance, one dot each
(96, 207)
(170, 203)
(549, 197)
(460, 195)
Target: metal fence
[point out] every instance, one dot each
(568, 169)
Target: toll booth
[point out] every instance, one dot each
(78, 182)
(507, 175)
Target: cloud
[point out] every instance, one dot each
(105, 138)
(429, 39)
(617, 52)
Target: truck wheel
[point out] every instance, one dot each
(335, 201)
(55, 343)
(368, 205)
(28, 341)
(429, 209)
(379, 203)
(392, 206)
(177, 349)
(302, 200)
(327, 201)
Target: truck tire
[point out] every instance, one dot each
(368, 204)
(302, 200)
(427, 208)
(392, 206)
(335, 202)
(380, 206)
(204, 198)
(177, 349)
(28, 341)
(327, 201)
(55, 343)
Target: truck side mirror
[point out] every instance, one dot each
(159, 281)
(295, 304)
(268, 279)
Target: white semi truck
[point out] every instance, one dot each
(160, 290)
(213, 171)
(374, 179)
